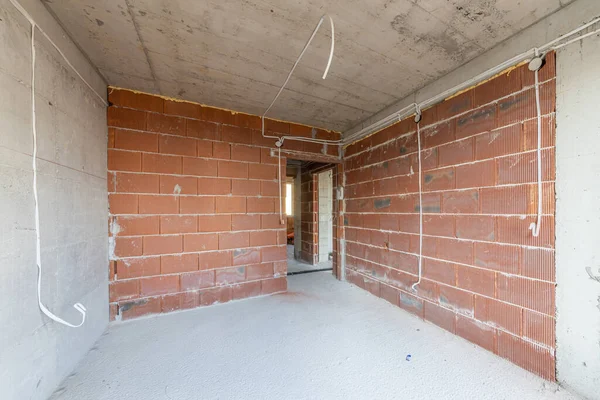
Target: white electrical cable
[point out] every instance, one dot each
(301, 139)
(38, 256)
(418, 119)
(535, 226)
(279, 179)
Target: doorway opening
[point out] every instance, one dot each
(309, 216)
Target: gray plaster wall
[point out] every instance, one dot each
(578, 217)
(36, 353)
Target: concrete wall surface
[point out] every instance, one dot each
(578, 217)
(325, 215)
(36, 353)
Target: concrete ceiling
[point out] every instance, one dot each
(236, 53)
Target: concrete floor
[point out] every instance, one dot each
(324, 339)
(301, 266)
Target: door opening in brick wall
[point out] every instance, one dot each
(309, 214)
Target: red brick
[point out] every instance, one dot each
(232, 169)
(517, 108)
(231, 205)
(263, 238)
(276, 285)
(476, 280)
(411, 304)
(214, 223)
(162, 244)
(200, 242)
(271, 221)
(218, 115)
(179, 301)
(137, 267)
(477, 174)
(173, 264)
(246, 256)
(397, 241)
(161, 164)
(166, 124)
(262, 171)
(441, 179)
(439, 134)
(112, 312)
(245, 153)
(124, 161)
(475, 227)
(539, 328)
(245, 222)
(181, 146)
(128, 246)
(177, 185)
(498, 314)
(124, 290)
(279, 267)
(261, 205)
(197, 280)
(504, 200)
(458, 152)
(538, 263)
(214, 259)
(126, 118)
(201, 129)
(245, 290)
(476, 332)
(438, 225)
(457, 300)
(132, 226)
(439, 271)
(498, 87)
(138, 308)
(132, 140)
(199, 167)
(548, 132)
(136, 183)
(497, 257)
(459, 251)
(204, 148)
(139, 101)
(234, 240)
(235, 134)
(464, 201)
(266, 158)
(527, 355)
(150, 204)
(178, 224)
(183, 109)
(515, 230)
(531, 294)
(390, 294)
(123, 203)
(522, 168)
(477, 121)
(159, 285)
(227, 276)
(221, 150)
(215, 296)
(498, 143)
(214, 186)
(197, 205)
(245, 187)
(273, 253)
(440, 316)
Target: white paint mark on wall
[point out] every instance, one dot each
(177, 189)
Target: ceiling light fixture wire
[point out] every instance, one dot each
(298, 138)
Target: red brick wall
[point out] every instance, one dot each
(309, 217)
(193, 199)
(485, 277)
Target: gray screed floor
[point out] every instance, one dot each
(324, 339)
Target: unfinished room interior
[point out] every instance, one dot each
(277, 199)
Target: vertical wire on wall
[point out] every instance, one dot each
(535, 226)
(418, 121)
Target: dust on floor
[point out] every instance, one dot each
(324, 339)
